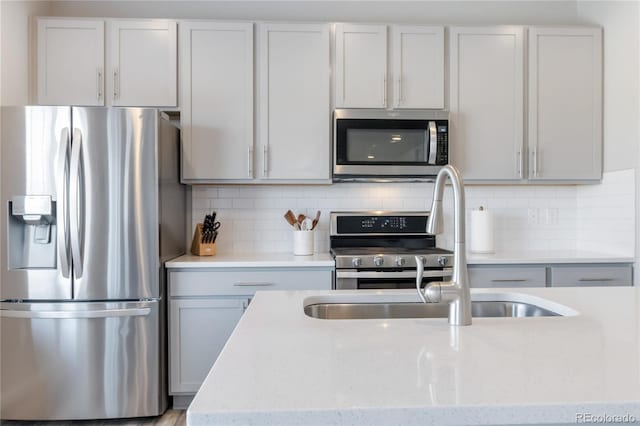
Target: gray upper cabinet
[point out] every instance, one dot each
(396, 66)
(487, 101)
(70, 61)
(137, 68)
(361, 66)
(562, 140)
(216, 76)
(142, 62)
(565, 103)
(294, 112)
(417, 56)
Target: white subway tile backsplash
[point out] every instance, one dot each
(587, 217)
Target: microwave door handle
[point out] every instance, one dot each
(433, 142)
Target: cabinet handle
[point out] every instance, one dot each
(253, 284)
(116, 83)
(99, 78)
(250, 161)
(384, 90)
(595, 279)
(265, 160)
(534, 155)
(401, 98)
(519, 163)
(517, 280)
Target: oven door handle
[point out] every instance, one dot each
(403, 274)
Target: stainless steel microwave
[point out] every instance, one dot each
(389, 145)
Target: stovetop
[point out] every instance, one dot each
(383, 240)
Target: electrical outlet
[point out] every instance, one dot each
(532, 216)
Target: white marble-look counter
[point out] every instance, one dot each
(547, 256)
(253, 260)
(282, 367)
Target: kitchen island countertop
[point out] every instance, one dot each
(282, 367)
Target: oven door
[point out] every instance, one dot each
(353, 279)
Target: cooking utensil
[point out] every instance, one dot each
(315, 221)
(307, 224)
(290, 218)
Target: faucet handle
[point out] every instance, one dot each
(419, 272)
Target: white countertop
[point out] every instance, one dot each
(282, 367)
(547, 256)
(286, 260)
(252, 260)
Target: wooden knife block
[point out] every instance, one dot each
(201, 249)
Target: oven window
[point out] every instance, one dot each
(383, 142)
(380, 284)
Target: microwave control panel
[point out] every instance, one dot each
(442, 131)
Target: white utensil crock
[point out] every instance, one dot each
(302, 243)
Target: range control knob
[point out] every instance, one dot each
(378, 260)
(356, 262)
(442, 261)
(400, 261)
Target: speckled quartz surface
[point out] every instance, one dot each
(282, 367)
(546, 257)
(252, 260)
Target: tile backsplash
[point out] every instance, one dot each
(559, 217)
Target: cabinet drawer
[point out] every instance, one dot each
(507, 276)
(591, 276)
(246, 282)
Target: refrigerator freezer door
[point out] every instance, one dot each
(34, 262)
(113, 201)
(80, 360)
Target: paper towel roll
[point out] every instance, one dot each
(481, 231)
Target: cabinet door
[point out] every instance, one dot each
(509, 276)
(199, 329)
(216, 86)
(418, 67)
(143, 57)
(487, 101)
(361, 66)
(294, 101)
(565, 103)
(591, 275)
(70, 64)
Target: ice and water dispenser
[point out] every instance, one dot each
(32, 232)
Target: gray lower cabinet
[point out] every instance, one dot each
(206, 304)
(591, 275)
(507, 276)
(550, 275)
(194, 322)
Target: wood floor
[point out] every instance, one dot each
(169, 418)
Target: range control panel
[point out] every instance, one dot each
(389, 223)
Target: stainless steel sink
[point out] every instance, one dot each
(479, 309)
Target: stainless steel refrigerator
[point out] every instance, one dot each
(91, 208)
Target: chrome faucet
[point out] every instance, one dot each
(455, 292)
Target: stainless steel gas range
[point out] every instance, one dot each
(378, 249)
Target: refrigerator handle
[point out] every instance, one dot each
(62, 203)
(101, 313)
(75, 212)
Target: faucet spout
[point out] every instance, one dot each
(456, 292)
